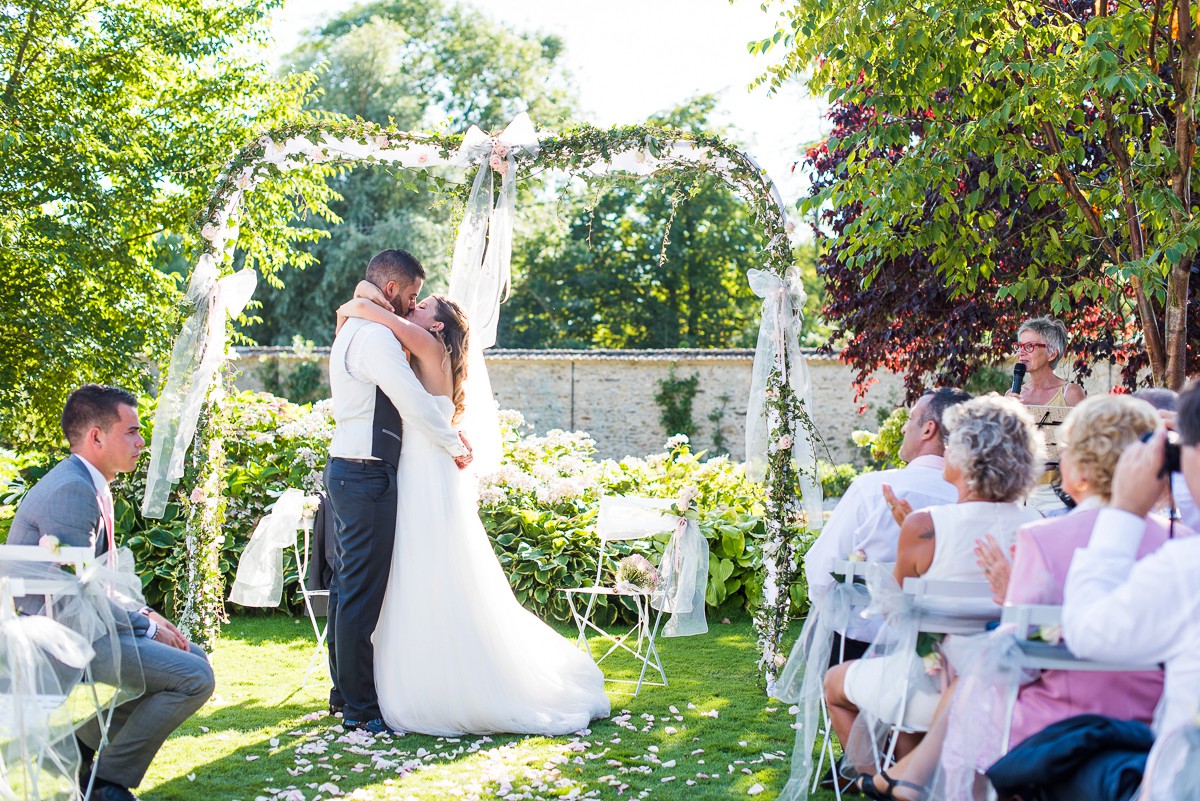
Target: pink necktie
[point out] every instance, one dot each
(109, 515)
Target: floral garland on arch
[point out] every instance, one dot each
(783, 445)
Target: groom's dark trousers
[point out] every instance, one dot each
(362, 494)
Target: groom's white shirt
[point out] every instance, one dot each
(366, 355)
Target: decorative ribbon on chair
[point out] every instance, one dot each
(897, 639)
(1173, 769)
(259, 580)
(684, 575)
(198, 354)
(482, 273)
(803, 679)
(41, 662)
(778, 348)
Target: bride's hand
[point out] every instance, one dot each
(366, 289)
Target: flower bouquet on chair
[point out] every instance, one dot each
(635, 575)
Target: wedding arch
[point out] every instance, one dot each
(781, 440)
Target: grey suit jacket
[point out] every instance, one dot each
(63, 504)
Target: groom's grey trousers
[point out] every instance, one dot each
(362, 493)
(177, 683)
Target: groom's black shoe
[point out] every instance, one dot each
(375, 726)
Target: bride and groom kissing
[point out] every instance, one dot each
(425, 633)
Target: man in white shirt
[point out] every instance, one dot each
(1145, 612)
(373, 388)
(863, 520)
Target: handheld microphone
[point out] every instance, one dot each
(1018, 377)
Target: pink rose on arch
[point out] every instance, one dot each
(785, 442)
(498, 164)
(500, 149)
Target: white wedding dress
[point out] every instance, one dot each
(455, 653)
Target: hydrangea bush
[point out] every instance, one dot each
(539, 508)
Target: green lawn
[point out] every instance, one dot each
(712, 734)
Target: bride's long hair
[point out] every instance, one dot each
(454, 337)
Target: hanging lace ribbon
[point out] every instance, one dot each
(684, 574)
(259, 580)
(198, 354)
(482, 273)
(803, 679)
(778, 349)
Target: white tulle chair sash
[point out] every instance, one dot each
(259, 580)
(685, 578)
(803, 679)
(778, 350)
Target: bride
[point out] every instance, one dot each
(455, 653)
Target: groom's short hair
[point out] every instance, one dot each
(395, 265)
(93, 406)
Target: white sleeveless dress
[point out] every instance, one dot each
(455, 653)
(877, 685)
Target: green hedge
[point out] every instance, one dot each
(539, 509)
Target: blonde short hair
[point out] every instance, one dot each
(995, 443)
(1098, 430)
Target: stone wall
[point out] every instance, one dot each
(610, 394)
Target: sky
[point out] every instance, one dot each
(632, 58)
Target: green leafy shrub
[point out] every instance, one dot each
(882, 448)
(539, 508)
(836, 478)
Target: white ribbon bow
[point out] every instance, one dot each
(482, 271)
(778, 349)
(198, 354)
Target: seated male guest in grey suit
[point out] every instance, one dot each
(73, 503)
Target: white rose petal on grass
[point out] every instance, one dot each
(755, 789)
(251, 758)
(712, 713)
(191, 777)
(274, 742)
(670, 763)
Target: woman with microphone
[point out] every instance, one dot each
(1041, 342)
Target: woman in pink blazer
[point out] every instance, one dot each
(1095, 435)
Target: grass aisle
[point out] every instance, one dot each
(711, 734)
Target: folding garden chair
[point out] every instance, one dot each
(1023, 618)
(941, 607)
(625, 519)
(56, 582)
(302, 547)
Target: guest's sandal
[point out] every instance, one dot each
(866, 785)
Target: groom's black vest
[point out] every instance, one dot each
(387, 430)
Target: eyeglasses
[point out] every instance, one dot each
(1028, 347)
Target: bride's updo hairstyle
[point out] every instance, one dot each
(453, 336)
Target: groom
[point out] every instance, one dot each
(373, 388)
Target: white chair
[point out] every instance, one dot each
(627, 519)
(302, 547)
(31, 585)
(849, 573)
(941, 607)
(1036, 654)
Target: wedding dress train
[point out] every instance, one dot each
(455, 653)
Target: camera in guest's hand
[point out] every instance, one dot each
(1171, 463)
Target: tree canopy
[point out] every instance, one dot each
(639, 263)
(117, 117)
(417, 65)
(1082, 114)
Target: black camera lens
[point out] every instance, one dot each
(1171, 463)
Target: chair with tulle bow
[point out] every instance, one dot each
(628, 519)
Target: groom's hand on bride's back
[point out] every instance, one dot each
(465, 459)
